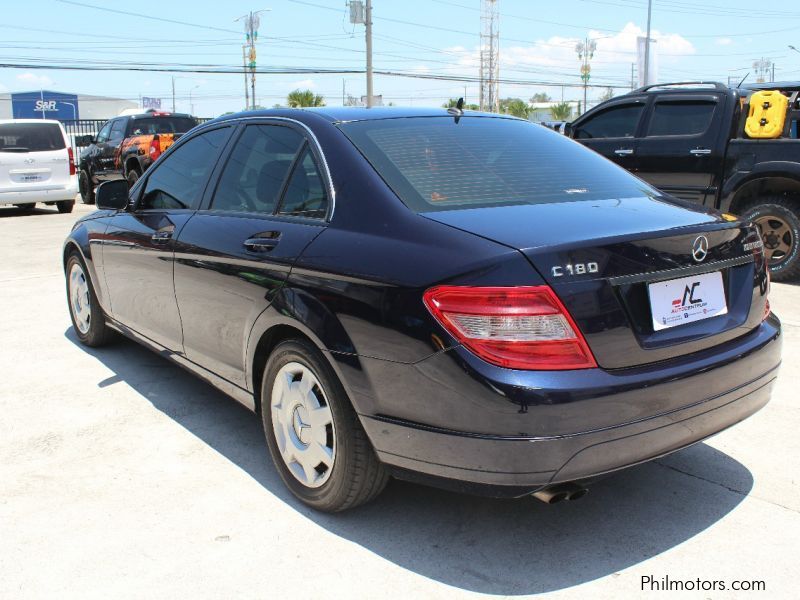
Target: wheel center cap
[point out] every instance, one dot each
(771, 240)
(301, 429)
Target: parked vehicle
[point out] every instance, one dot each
(689, 140)
(126, 146)
(468, 300)
(36, 164)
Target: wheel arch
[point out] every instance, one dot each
(132, 164)
(760, 185)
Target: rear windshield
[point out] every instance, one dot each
(30, 137)
(434, 163)
(151, 125)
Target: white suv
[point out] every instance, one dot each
(36, 164)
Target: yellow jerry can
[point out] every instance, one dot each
(767, 114)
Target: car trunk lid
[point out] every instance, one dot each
(602, 256)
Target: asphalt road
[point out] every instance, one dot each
(122, 476)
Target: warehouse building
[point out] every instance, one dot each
(47, 104)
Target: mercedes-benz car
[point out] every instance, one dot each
(468, 300)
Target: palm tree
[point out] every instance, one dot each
(515, 106)
(453, 102)
(561, 111)
(300, 98)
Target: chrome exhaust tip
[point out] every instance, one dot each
(561, 491)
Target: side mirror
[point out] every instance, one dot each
(112, 195)
(84, 140)
(568, 130)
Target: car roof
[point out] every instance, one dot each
(159, 114)
(344, 114)
(30, 121)
(774, 85)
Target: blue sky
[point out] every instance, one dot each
(696, 40)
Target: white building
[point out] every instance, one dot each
(47, 104)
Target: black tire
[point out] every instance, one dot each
(65, 206)
(778, 218)
(97, 333)
(357, 476)
(26, 208)
(85, 187)
(133, 177)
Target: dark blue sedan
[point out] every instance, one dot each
(467, 300)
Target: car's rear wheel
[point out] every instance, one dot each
(65, 206)
(88, 320)
(85, 188)
(777, 219)
(314, 436)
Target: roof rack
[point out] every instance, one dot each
(716, 84)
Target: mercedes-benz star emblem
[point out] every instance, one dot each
(700, 248)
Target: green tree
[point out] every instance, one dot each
(607, 95)
(300, 98)
(453, 102)
(516, 107)
(540, 97)
(561, 111)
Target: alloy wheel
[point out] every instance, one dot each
(79, 300)
(777, 236)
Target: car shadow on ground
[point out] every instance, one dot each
(13, 211)
(505, 547)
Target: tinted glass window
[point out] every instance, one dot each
(257, 169)
(30, 137)
(681, 118)
(436, 164)
(177, 182)
(103, 135)
(152, 125)
(117, 131)
(305, 195)
(617, 122)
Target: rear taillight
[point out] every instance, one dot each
(71, 155)
(512, 327)
(155, 148)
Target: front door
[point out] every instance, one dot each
(107, 151)
(679, 151)
(233, 257)
(138, 249)
(611, 131)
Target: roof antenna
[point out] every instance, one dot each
(742, 81)
(457, 111)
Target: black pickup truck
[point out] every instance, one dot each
(126, 146)
(688, 139)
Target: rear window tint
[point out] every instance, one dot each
(152, 125)
(30, 137)
(435, 164)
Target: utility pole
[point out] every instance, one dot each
(173, 94)
(244, 70)
(585, 50)
(490, 56)
(647, 44)
(633, 75)
(251, 24)
(369, 52)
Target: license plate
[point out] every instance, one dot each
(29, 178)
(685, 300)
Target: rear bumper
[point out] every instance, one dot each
(518, 464)
(67, 192)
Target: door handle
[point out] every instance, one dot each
(623, 151)
(263, 242)
(700, 151)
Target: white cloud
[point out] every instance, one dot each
(724, 41)
(34, 80)
(303, 84)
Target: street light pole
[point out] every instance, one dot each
(368, 18)
(647, 44)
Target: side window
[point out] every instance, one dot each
(616, 122)
(177, 182)
(681, 118)
(257, 169)
(103, 135)
(305, 195)
(117, 131)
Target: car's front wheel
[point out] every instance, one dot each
(85, 188)
(88, 319)
(65, 206)
(778, 220)
(314, 436)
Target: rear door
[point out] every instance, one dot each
(611, 131)
(139, 244)
(679, 151)
(234, 256)
(33, 157)
(107, 167)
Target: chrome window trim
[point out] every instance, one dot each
(312, 138)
